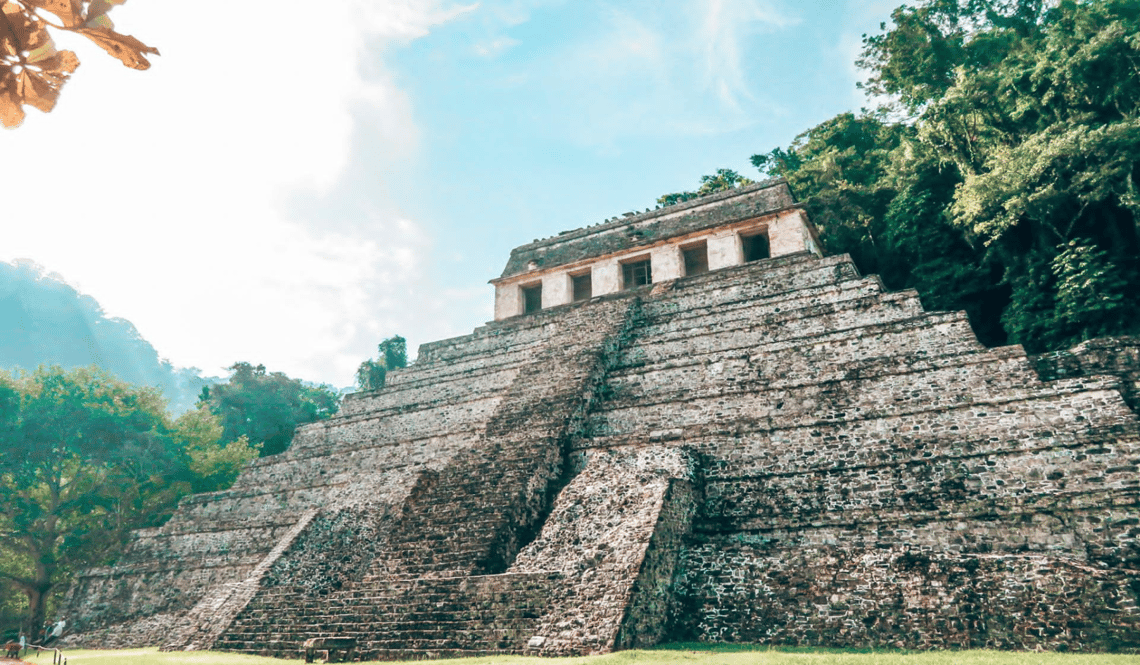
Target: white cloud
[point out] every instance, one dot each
(660, 70)
(162, 193)
(493, 47)
(724, 25)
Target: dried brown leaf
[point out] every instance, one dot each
(17, 29)
(34, 91)
(97, 14)
(11, 114)
(70, 12)
(9, 47)
(98, 8)
(39, 85)
(124, 47)
(32, 72)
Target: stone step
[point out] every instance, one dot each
(412, 592)
(390, 461)
(783, 326)
(743, 313)
(923, 435)
(944, 333)
(506, 358)
(429, 421)
(733, 387)
(387, 404)
(461, 384)
(880, 352)
(1008, 521)
(756, 281)
(541, 326)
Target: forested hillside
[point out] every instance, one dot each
(1000, 175)
(45, 321)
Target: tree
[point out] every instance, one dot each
(723, 180)
(84, 459)
(393, 354)
(878, 193)
(214, 463)
(1009, 188)
(265, 407)
(32, 70)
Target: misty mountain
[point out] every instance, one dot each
(44, 321)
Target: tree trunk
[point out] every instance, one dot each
(37, 611)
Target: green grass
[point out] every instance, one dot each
(687, 654)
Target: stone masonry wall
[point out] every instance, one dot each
(1113, 356)
(651, 226)
(600, 537)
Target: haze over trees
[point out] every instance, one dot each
(1002, 177)
(45, 321)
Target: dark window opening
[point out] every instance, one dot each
(636, 274)
(755, 247)
(696, 259)
(532, 298)
(583, 288)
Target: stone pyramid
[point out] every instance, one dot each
(684, 424)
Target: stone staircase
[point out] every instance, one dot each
(202, 625)
(438, 584)
(405, 619)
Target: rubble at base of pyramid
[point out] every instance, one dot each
(682, 425)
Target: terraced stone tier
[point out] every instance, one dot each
(899, 596)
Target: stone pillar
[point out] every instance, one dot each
(508, 301)
(556, 290)
(725, 250)
(665, 263)
(606, 277)
(788, 234)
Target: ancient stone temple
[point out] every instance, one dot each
(682, 424)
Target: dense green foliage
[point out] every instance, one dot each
(265, 407)
(1003, 176)
(85, 458)
(393, 355)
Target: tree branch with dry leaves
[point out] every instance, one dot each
(32, 70)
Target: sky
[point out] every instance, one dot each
(292, 182)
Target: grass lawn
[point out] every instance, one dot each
(695, 654)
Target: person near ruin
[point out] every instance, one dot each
(56, 631)
(23, 642)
